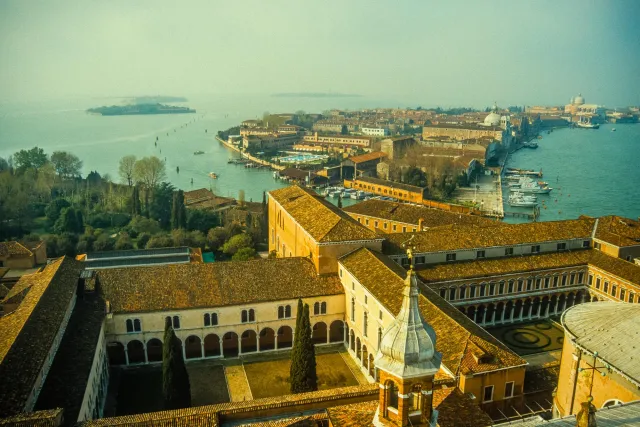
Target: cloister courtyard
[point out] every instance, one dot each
(543, 335)
(138, 389)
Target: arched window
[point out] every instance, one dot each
(463, 292)
(472, 291)
(243, 316)
(280, 312)
(136, 325)
(393, 395)
(252, 315)
(443, 293)
(452, 294)
(510, 287)
(176, 322)
(483, 288)
(614, 289)
(323, 308)
(501, 287)
(214, 319)
(612, 402)
(606, 287)
(287, 311)
(316, 308)
(129, 325)
(365, 324)
(207, 319)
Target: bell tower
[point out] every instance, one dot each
(407, 363)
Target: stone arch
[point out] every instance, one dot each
(553, 303)
(285, 337)
(571, 299)
(491, 310)
(336, 331)
(193, 347)
(319, 333)
(499, 312)
(115, 351)
(365, 355)
(535, 306)
(544, 306)
(562, 299)
(135, 350)
(154, 350)
(579, 297)
(267, 339)
(358, 348)
(230, 344)
(480, 313)
(211, 345)
(471, 312)
(508, 310)
(248, 341)
(517, 313)
(526, 308)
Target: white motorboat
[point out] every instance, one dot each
(520, 201)
(528, 197)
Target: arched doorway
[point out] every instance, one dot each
(553, 304)
(526, 308)
(491, 311)
(319, 333)
(154, 350)
(570, 299)
(285, 337)
(267, 339)
(230, 344)
(135, 349)
(193, 347)
(471, 313)
(115, 350)
(562, 299)
(211, 345)
(249, 341)
(336, 331)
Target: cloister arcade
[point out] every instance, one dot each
(227, 345)
(361, 353)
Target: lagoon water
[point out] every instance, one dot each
(594, 172)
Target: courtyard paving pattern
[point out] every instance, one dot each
(529, 338)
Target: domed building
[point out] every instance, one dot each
(580, 111)
(493, 119)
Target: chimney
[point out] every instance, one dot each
(587, 415)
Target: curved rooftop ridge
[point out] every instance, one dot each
(610, 329)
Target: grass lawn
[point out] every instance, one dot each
(530, 338)
(268, 379)
(140, 390)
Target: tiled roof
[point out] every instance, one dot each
(48, 418)
(13, 249)
(499, 266)
(394, 184)
(411, 214)
(27, 334)
(616, 266)
(354, 414)
(185, 286)
(471, 237)
(456, 409)
(211, 415)
(368, 157)
(618, 230)
(458, 338)
(323, 221)
(616, 336)
(67, 380)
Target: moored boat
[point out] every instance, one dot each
(213, 175)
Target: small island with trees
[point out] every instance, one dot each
(139, 109)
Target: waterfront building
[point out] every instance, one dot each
(598, 357)
(338, 142)
(364, 164)
(375, 131)
(382, 187)
(579, 110)
(268, 142)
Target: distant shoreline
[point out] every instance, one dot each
(139, 109)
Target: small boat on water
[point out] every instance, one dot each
(613, 129)
(524, 172)
(213, 175)
(198, 152)
(587, 124)
(520, 201)
(530, 145)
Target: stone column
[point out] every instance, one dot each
(258, 342)
(146, 357)
(513, 309)
(275, 338)
(221, 347)
(239, 345)
(530, 310)
(202, 349)
(539, 308)
(344, 333)
(504, 312)
(493, 317)
(126, 355)
(546, 311)
(484, 316)
(184, 350)
(521, 312)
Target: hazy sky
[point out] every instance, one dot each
(432, 53)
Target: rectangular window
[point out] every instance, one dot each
(564, 280)
(487, 395)
(507, 252)
(561, 246)
(520, 285)
(385, 225)
(535, 249)
(463, 292)
(622, 294)
(529, 284)
(452, 294)
(538, 283)
(394, 227)
(366, 221)
(508, 390)
(580, 278)
(366, 299)
(404, 229)
(555, 281)
(480, 254)
(585, 244)
(451, 257)
(380, 315)
(359, 219)
(590, 279)
(419, 260)
(510, 286)
(375, 224)
(492, 288)
(547, 280)
(597, 283)
(472, 291)
(501, 288)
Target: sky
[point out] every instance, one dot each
(465, 53)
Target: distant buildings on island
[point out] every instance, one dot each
(405, 290)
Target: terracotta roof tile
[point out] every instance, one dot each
(456, 409)
(411, 214)
(13, 249)
(185, 286)
(385, 280)
(368, 157)
(323, 221)
(31, 330)
(398, 185)
(458, 237)
(48, 418)
(618, 230)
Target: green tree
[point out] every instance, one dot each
(140, 224)
(202, 220)
(66, 164)
(160, 206)
(53, 209)
(34, 158)
(178, 211)
(244, 254)
(67, 222)
(136, 208)
(160, 241)
(124, 242)
(302, 373)
(104, 242)
(340, 202)
(143, 239)
(237, 242)
(149, 171)
(216, 238)
(176, 387)
(125, 169)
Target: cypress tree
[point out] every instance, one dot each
(303, 358)
(340, 202)
(174, 212)
(182, 211)
(176, 388)
(79, 221)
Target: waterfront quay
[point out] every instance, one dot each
(486, 192)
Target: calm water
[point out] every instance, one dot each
(593, 172)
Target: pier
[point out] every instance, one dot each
(248, 159)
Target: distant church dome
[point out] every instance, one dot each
(408, 345)
(578, 100)
(493, 119)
